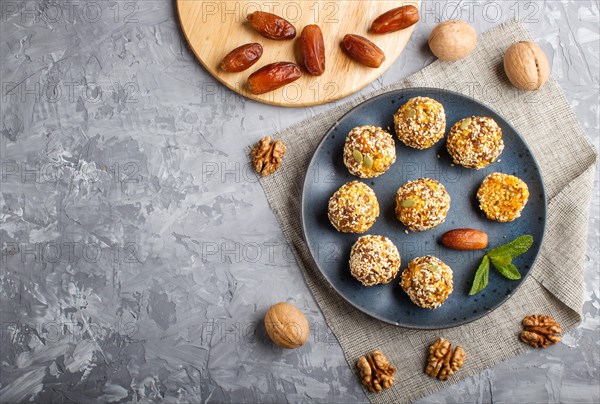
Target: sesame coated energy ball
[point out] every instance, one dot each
(422, 204)
(369, 151)
(427, 281)
(353, 208)
(374, 260)
(420, 123)
(502, 197)
(475, 142)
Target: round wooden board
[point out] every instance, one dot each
(214, 28)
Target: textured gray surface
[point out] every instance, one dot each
(138, 252)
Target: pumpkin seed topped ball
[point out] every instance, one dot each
(369, 151)
(475, 142)
(420, 123)
(374, 260)
(422, 204)
(502, 197)
(427, 281)
(353, 208)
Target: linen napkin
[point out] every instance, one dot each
(555, 286)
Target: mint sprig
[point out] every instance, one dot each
(501, 258)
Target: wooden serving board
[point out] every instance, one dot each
(214, 28)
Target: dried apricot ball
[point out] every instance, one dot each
(353, 208)
(374, 260)
(502, 197)
(427, 281)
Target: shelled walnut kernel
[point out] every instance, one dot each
(540, 331)
(267, 156)
(376, 373)
(443, 362)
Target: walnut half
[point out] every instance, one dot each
(267, 156)
(376, 373)
(540, 331)
(443, 362)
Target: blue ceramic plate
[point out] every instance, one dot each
(389, 303)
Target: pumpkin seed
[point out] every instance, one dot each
(465, 123)
(434, 268)
(357, 156)
(411, 113)
(408, 203)
(368, 161)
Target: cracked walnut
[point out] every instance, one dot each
(267, 156)
(376, 373)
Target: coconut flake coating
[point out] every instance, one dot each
(353, 208)
(422, 204)
(376, 151)
(427, 281)
(420, 123)
(502, 197)
(374, 260)
(475, 142)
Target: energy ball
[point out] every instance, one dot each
(420, 123)
(374, 260)
(369, 151)
(427, 281)
(475, 142)
(422, 204)
(353, 208)
(502, 197)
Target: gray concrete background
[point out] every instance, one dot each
(139, 254)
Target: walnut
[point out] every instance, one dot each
(540, 331)
(376, 373)
(267, 156)
(286, 325)
(452, 40)
(526, 65)
(443, 362)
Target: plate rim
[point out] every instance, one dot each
(374, 315)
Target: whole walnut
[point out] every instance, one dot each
(286, 325)
(526, 65)
(452, 40)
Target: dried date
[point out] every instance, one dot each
(312, 49)
(271, 26)
(363, 51)
(273, 76)
(395, 19)
(242, 57)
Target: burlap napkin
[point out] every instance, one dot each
(555, 287)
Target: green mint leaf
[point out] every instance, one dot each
(509, 272)
(501, 257)
(515, 248)
(501, 260)
(481, 276)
